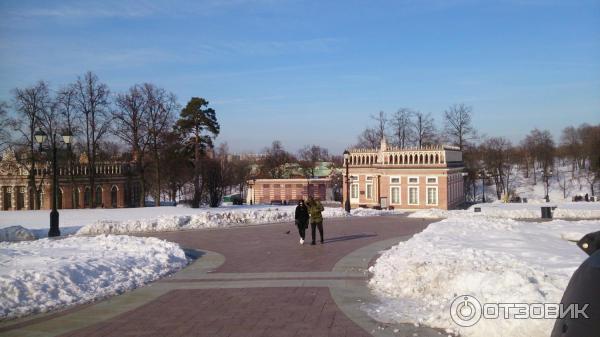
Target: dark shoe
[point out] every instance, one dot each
(312, 243)
(322, 242)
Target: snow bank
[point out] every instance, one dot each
(567, 210)
(217, 218)
(15, 233)
(38, 276)
(494, 260)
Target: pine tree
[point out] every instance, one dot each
(199, 124)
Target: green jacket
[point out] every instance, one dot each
(314, 209)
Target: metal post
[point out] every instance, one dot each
(347, 203)
(54, 223)
(483, 186)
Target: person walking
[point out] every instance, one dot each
(301, 220)
(315, 209)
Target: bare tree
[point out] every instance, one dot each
(309, 156)
(274, 160)
(30, 103)
(458, 124)
(424, 129)
(380, 128)
(92, 103)
(498, 161)
(369, 139)
(570, 141)
(590, 140)
(563, 182)
(130, 127)
(403, 127)
(4, 126)
(160, 107)
(214, 175)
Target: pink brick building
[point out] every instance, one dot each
(289, 191)
(429, 177)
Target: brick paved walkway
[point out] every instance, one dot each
(250, 281)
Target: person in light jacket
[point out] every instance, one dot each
(315, 209)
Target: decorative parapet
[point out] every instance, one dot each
(437, 155)
(13, 168)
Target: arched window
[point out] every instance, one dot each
(21, 197)
(7, 197)
(59, 199)
(75, 198)
(98, 198)
(87, 198)
(40, 199)
(113, 196)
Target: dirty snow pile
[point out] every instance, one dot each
(37, 276)
(16, 233)
(494, 260)
(217, 218)
(563, 210)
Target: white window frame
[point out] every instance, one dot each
(410, 177)
(399, 195)
(352, 185)
(409, 188)
(395, 177)
(369, 188)
(434, 177)
(437, 196)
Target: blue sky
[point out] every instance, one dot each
(310, 72)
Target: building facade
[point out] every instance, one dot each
(287, 191)
(428, 177)
(116, 185)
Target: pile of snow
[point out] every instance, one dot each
(565, 210)
(214, 218)
(37, 276)
(494, 260)
(15, 233)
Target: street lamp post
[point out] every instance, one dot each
(40, 138)
(483, 175)
(546, 175)
(253, 200)
(346, 162)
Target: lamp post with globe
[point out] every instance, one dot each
(40, 138)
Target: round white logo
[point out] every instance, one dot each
(465, 310)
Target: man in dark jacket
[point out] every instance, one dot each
(315, 209)
(301, 220)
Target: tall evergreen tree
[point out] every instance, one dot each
(198, 123)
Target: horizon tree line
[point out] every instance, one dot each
(144, 124)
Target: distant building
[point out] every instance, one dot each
(117, 185)
(428, 177)
(287, 191)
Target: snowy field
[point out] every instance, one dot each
(38, 276)
(564, 210)
(495, 260)
(152, 219)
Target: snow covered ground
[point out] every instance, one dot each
(152, 219)
(563, 185)
(37, 276)
(564, 210)
(495, 260)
